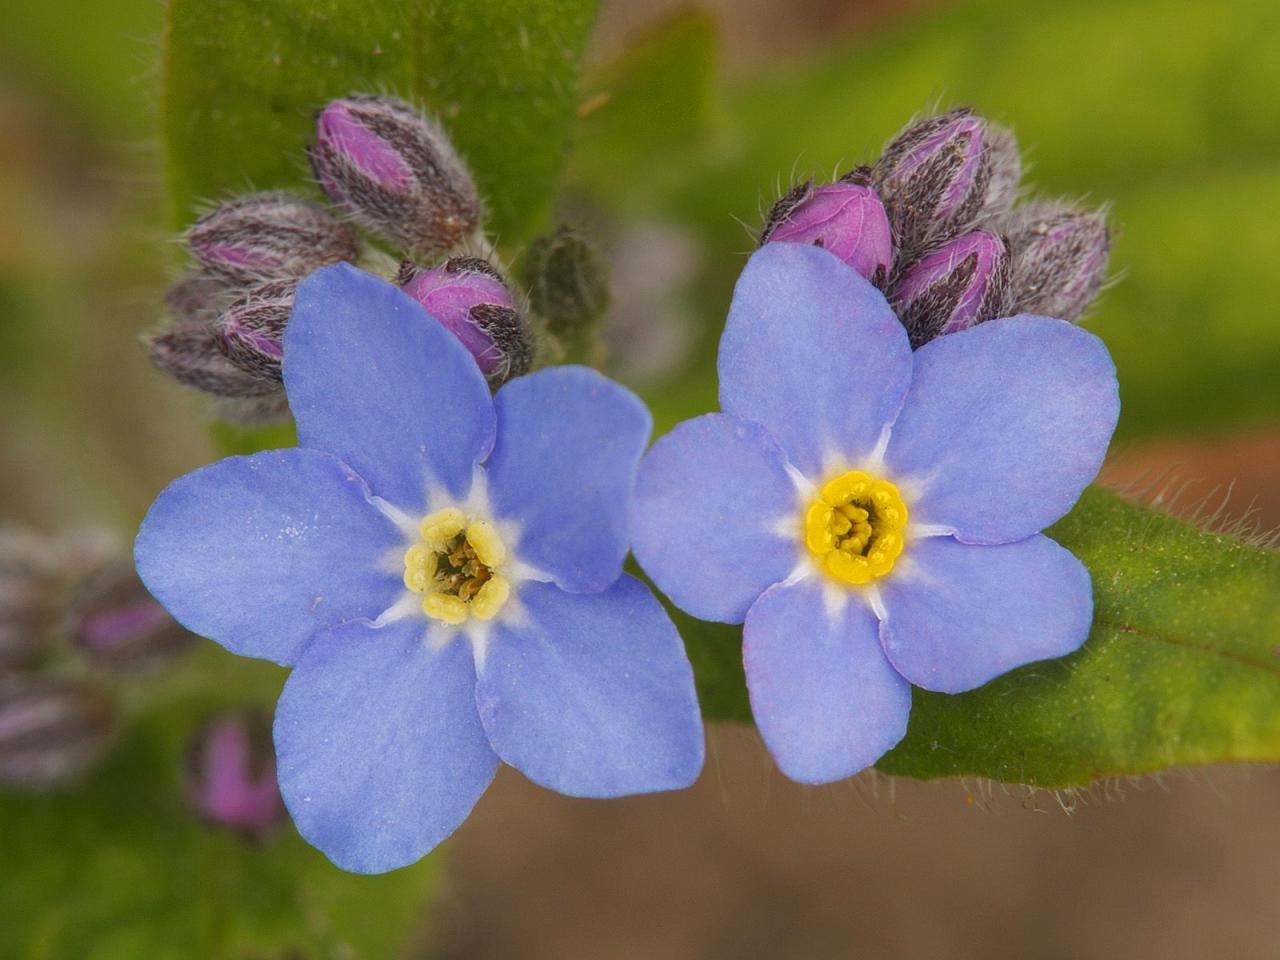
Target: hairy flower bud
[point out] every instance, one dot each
(29, 596)
(568, 281)
(1006, 171)
(845, 217)
(231, 776)
(958, 285)
(250, 332)
(269, 236)
(935, 178)
(468, 297)
(117, 624)
(396, 173)
(189, 352)
(199, 295)
(1059, 259)
(51, 730)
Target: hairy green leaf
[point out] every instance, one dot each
(1182, 666)
(122, 869)
(242, 79)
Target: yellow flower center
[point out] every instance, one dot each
(455, 568)
(854, 528)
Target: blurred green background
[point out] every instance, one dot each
(689, 121)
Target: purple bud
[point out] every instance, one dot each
(117, 624)
(468, 296)
(189, 352)
(231, 778)
(269, 236)
(30, 596)
(396, 173)
(1006, 171)
(251, 331)
(845, 217)
(935, 179)
(198, 295)
(1059, 259)
(51, 730)
(958, 285)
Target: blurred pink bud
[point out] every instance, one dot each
(51, 730)
(231, 778)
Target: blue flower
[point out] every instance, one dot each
(871, 515)
(442, 570)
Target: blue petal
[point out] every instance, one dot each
(711, 497)
(379, 749)
(959, 615)
(564, 467)
(1005, 425)
(374, 380)
(260, 553)
(812, 351)
(592, 695)
(826, 700)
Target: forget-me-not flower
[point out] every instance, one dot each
(443, 571)
(873, 516)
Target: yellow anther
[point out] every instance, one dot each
(445, 607)
(484, 540)
(486, 604)
(850, 569)
(817, 528)
(456, 567)
(443, 525)
(845, 488)
(854, 527)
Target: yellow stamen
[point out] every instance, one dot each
(486, 604)
(443, 606)
(854, 528)
(456, 567)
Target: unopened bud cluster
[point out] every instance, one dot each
(933, 224)
(73, 618)
(389, 170)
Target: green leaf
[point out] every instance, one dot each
(242, 79)
(121, 869)
(646, 108)
(1182, 666)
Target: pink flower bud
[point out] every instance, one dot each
(51, 731)
(958, 285)
(846, 218)
(269, 236)
(936, 178)
(30, 596)
(396, 173)
(1059, 259)
(251, 331)
(231, 778)
(117, 624)
(468, 297)
(189, 352)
